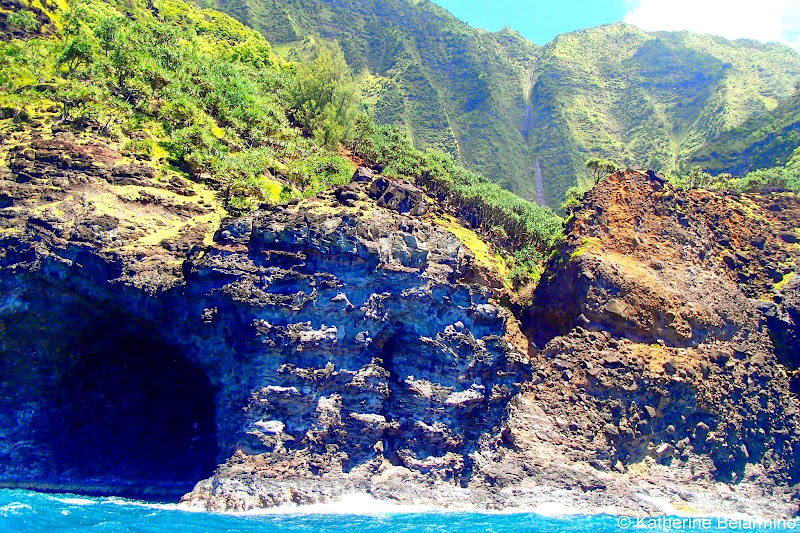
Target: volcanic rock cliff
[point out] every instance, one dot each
(668, 327)
(354, 342)
(144, 341)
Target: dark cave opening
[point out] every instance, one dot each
(131, 416)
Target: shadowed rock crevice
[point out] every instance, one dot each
(783, 320)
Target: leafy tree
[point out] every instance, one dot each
(325, 96)
(600, 168)
(769, 178)
(78, 51)
(74, 19)
(23, 21)
(363, 141)
(108, 32)
(194, 149)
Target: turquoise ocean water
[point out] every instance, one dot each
(25, 511)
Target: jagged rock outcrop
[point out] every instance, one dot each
(304, 341)
(351, 343)
(656, 358)
(369, 349)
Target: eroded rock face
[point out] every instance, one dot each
(657, 361)
(366, 345)
(655, 263)
(305, 341)
(398, 195)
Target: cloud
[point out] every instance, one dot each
(764, 20)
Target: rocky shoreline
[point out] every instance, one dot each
(661, 492)
(630, 425)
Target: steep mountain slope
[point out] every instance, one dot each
(650, 99)
(455, 87)
(528, 117)
(766, 140)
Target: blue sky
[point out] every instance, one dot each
(538, 20)
(541, 20)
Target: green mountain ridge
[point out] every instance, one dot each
(190, 99)
(651, 99)
(763, 141)
(527, 116)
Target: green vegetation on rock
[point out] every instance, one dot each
(452, 87)
(528, 117)
(190, 90)
(510, 221)
(766, 140)
(176, 86)
(785, 177)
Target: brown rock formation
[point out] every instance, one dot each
(656, 360)
(351, 342)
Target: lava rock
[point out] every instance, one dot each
(363, 174)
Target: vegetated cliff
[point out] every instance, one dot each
(507, 107)
(766, 140)
(454, 87)
(352, 342)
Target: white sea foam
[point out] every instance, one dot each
(14, 508)
(548, 509)
(77, 501)
(136, 503)
(668, 509)
(366, 504)
(350, 504)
